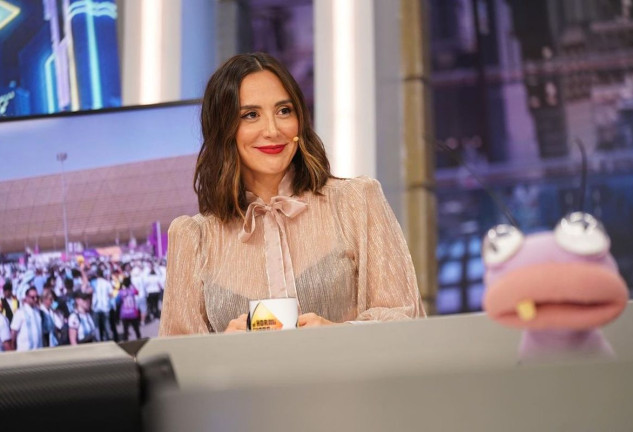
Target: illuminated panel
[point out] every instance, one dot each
(7, 13)
(151, 55)
(344, 85)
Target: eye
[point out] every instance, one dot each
(284, 111)
(249, 115)
(582, 234)
(500, 244)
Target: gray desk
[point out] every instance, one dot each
(445, 373)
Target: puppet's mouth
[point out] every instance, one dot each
(556, 314)
(573, 296)
(527, 310)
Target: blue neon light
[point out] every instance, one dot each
(96, 9)
(48, 72)
(95, 75)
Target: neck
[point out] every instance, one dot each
(265, 187)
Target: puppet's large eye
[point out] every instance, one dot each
(582, 234)
(500, 244)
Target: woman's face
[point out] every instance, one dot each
(82, 304)
(268, 123)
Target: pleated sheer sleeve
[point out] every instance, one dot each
(183, 303)
(387, 287)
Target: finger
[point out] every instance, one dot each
(237, 324)
(312, 320)
(233, 327)
(241, 322)
(307, 320)
(308, 316)
(301, 320)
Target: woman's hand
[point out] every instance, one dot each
(237, 325)
(312, 320)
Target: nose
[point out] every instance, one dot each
(271, 130)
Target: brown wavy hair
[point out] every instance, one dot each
(217, 179)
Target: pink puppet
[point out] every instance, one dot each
(559, 286)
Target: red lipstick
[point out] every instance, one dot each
(273, 149)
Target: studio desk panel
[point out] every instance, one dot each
(88, 388)
(451, 373)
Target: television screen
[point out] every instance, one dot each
(92, 194)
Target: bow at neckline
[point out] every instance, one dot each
(279, 205)
(281, 280)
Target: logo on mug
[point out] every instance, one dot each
(263, 319)
(273, 314)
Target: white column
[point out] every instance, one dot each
(151, 51)
(344, 83)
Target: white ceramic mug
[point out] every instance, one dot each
(273, 314)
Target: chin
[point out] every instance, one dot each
(272, 166)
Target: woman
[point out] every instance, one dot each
(81, 327)
(128, 310)
(273, 220)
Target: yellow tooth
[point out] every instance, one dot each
(526, 310)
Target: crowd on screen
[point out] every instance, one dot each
(58, 303)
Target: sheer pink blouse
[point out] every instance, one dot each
(342, 254)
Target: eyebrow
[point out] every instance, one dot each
(283, 102)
